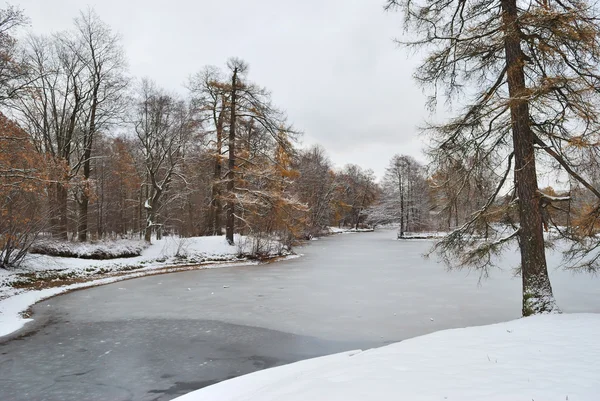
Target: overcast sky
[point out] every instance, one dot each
(331, 64)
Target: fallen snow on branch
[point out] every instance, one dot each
(555, 198)
(549, 357)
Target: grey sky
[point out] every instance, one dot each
(331, 64)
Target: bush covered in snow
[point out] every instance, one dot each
(261, 247)
(91, 250)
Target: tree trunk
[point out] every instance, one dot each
(83, 218)
(230, 174)
(148, 230)
(401, 209)
(537, 291)
(61, 203)
(216, 208)
(87, 159)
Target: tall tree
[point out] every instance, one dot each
(253, 122)
(209, 96)
(12, 70)
(73, 89)
(163, 127)
(49, 108)
(105, 82)
(529, 73)
(237, 68)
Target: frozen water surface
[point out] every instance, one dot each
(157, 337)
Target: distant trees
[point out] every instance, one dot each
(532, 79)
(459, 188)
(358, 192)
(404, 196)
(317, 187)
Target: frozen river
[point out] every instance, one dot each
(157, 337)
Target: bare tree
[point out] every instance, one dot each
(49, 108)
(209, 95)
(73, 89)
(529, 72)
(316, 187)
(101, 53)
(13, 71)
(459, 188)
(163, 126)
(358, 193)
(404, 197)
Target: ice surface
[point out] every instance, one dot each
(550, 357)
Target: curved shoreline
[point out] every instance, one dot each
(15, 310)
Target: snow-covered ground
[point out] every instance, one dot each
(50, 273)
(540, 358)
(89, 250)
(344, 230)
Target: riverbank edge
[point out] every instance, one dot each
(16, 309)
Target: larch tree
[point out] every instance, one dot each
(237, 68)
(526, 76)
(256, 124)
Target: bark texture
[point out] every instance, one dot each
(537, 290)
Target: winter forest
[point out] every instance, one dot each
(89, 152)
(340, 200)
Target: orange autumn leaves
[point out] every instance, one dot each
(24, 175)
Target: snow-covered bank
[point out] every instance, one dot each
(345, 230)
(549, 357)
(42, 276)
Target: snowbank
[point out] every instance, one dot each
(423, 235)
(344, 230)
(17, 287)
(89, 250)
(165, 252)
(541, 358)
